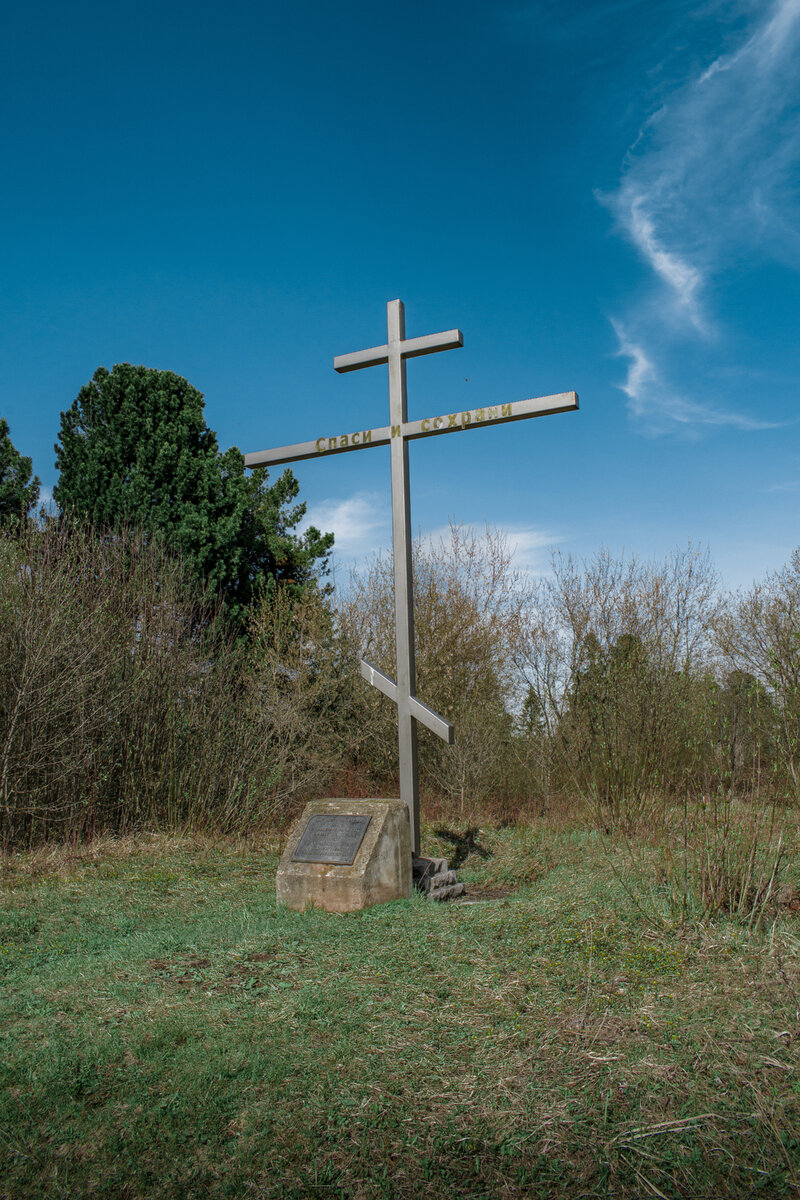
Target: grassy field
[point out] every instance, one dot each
(168, 1032)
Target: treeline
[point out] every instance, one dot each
(136, 614)
(128, 701)
(625, 683)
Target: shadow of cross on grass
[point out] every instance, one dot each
(465, 845)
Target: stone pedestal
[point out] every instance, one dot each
(344, 855)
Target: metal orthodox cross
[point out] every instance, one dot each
(397, 434)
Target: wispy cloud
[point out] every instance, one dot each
(678, 274)
(659, 407)
(709, 183)
(46, 501)
(362, 526)
(531, 547)
(641, 372)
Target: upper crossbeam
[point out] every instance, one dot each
(408, 347)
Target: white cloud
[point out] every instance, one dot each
(527, 544)
(641, 372)
(362, 528)
(361, 524)
(684, 279)
(721, 148)
(46, 501)
(769, 43)
(529, 547)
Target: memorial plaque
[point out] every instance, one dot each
(333, 838)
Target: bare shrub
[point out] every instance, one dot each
(613, 654)
(303, 703)
(759, 633)
(736, 855)
(86, 626)
(716, 854)
(469, 602)
(124, 705)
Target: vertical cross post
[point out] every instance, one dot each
(403, 581)
(409, 710)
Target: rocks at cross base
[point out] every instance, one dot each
(432, 877)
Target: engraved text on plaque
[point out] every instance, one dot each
(331, 839)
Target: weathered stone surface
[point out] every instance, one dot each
(381, 866)
(424, 869)
(440, 879)
(449, 891)
(428, 866)
(432, 877)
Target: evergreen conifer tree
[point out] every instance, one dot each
(19, 489)
(134, 449)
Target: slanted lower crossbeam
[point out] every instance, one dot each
(420, 712)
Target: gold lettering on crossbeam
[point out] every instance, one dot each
(343, 441)
(462, 420)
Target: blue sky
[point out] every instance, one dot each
(602, 196)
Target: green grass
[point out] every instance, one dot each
(166, 1031)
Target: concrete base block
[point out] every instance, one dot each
(380, 869)
(440, 879)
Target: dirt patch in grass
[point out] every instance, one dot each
(476, 891)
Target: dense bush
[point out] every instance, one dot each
(123, 703)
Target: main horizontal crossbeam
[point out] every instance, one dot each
(476, 418)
